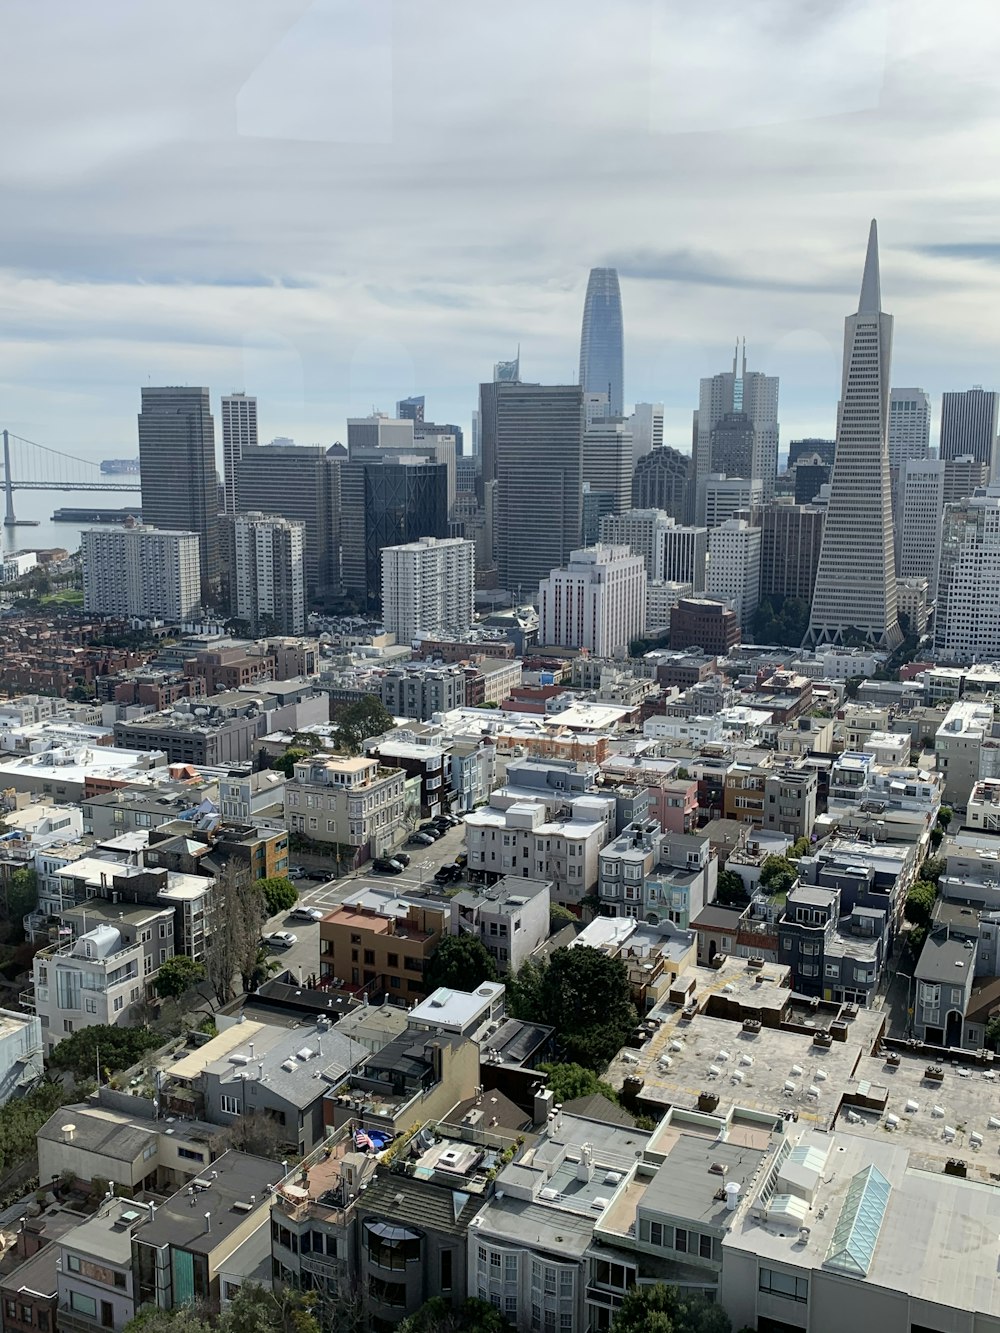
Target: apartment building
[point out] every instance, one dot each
(355, 802)
(381, 949)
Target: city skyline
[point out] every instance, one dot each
(111, 278)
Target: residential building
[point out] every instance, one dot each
(733, 574)
(790, 800)
(177, 464)
(418, 690)
(428, 587)
(661, 480)
(856, 579)
(685, 555)
(699, 622)
(791, 536)
(15, 565)
(239, 432)
(142, 572)
(510, 917)
(601, 339)
(909, 435)
(539, 460)
(20, 1053)
(352, 802)
(943, 978)
(219, 729)
(270, 573)
(969, 425)
(95, 1282)
(967, 622)
(597, 601)
(366, 949)
(966, 748)
(29, 1289)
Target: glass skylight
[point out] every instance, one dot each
(856, 1233)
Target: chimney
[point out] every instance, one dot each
(585, 1167)
(208, 1221)
(543, 1102)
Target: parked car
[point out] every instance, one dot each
(306, 914)
(420, 840)
(432, 830)
(401, 857)
(296, 872)
(386, 866)
(280, 939)
(462, 860)
(442, 875)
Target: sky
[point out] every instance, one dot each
(336, 203)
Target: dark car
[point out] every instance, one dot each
(432, 830)
(442, 875)
(401, 857)
(386, 866)
(419, 839)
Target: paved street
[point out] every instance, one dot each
(303, 957)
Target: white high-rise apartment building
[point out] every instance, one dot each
(642, 531)
(733, 574)
(646, 425)
(685, 553)
(738, 391)
(919, 513)
(909, 425)
(428, 587)
(597, 602)
(269, 573)
(143, 572)
(967, 621)
(239, 431)
(721, 498)
(855, 594)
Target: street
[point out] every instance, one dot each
(302, 959)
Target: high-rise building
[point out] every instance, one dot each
(239, 432)
(386, 500)
(642, 531)
(701, 622)
(909, 425)
(601, 342)
(302, 484)
(967, 620)
(855, 593)
(790, 540)
(646, 423)
(597, 601)
(477, 447)
(823, 449)
(379, 432)
(721, 498)
(539, 459)
(732, 446)
(141, 571)
(738, 391)
(428, 588)
(508, 372)
(269, 579)
(733, 573)
(410, 409)
(963, 476)
(661, 480)
(607, 460)
(969, 424)
(919, 513)
(180, 487)
(810, 477)
(685, 553)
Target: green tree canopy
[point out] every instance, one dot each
(21, 895)
(663, 1309)
(178, 975)
(360, 721)
(933, 868)
(20, 1120)
(569, 1081)
(945, 815)
(286, 762)
(440, 1316)
(254, 1309)
(584, 995)
(116, 1048)
(781, 620)
(460, 962)
(919, 903)
(730, 889)
(280, 894)
(801, 847)
(777, 874)
(559, 916)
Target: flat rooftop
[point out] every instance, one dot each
(108, 1234)
(225, 1192)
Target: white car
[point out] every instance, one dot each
(306, 914)
(280, 939)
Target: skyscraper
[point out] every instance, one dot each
(539, 462)
(969, 423)
(428, 587)
(647, 429)
(602, 353)
(738, 391)
(269, 582)
(239, 432)
(855, 592)
(661, 481)
(180, 486)
(909, 425)
(790, 540)
(733, 574)
(967, 620)
(141, 572)
(411, 409)
(919, 511)
(607, 461)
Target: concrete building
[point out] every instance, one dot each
(15, 565)
(179, 480)
(790, 800)
(969, 425)
(964, 754)
(791, 537)
(963, 476)
(733, 574)
(354, 802)
(646, 425)
(20, 1052)
(142, 572)
(428, 588)
(387, 950)
(643, 532)
(721, 498)
(967, 623)
(919, 516)
(607, 461)
(699, 622)
(510, 918)
(737, 391)
(597, 602)
(909, 435)
(856, 579)
(270, 573)
(661, 480)
(219, 729)
(419, 690)
(685, 555)
(661, 598)
(239, 432)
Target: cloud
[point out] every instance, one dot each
(709, 270)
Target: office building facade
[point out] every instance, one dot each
(733, 574)
(738, 391)
(790, 540)
(661, 480)
(919, 514)
(909, 426)
(685, 553)
(967, 621)
(141, 572)
(597, 602)
(969, 424)
(602, 356)
(239, 432)
(607, 461)
(646, 425)
(643, 532)
(428, 587)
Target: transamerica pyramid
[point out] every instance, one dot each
(854, 600)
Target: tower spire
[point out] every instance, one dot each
(871, 295)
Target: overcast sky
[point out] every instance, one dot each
(336, 203)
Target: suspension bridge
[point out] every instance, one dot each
(29, 466)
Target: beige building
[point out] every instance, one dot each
(356, 802)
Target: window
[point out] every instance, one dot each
(783, 1284)
(10, 1309)
(391, 960)
(190, 1155)
(26, 1314)
(680, 1240)
(495, 1259)
(229, 1105)
(119, 1003)
(90, 1004)
(510, 1268)
(446, 1256)
(85, 1305)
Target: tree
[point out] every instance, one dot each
(568, 1081)
(584, 995)
(919, 903)
(360, 721)
(21, 896)
(234, 945)
(286, 762)
(852, 685)
(663, 1309)
(177, 976)
(115, 1048)
(993, 1031)
(460, 962)
(730, 889)
(184, 1319)
(280, 894)
(20, 1120)
(777, 875)
(937, 836)
(559, 917)
(945, 816)
(439, 1316)
(933, 868)
(801, 847)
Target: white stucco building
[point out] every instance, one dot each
(597, 602)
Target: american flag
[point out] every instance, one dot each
(361, 1140)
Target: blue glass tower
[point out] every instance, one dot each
(602, 356)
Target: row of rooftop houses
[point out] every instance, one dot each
(804, 1171)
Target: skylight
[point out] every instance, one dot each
(856, 1233)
